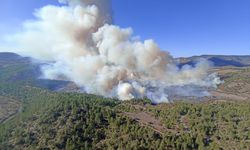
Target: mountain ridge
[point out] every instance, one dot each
(217, 60)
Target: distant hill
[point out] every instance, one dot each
(219, 60)
(17, 69)
(9, 57)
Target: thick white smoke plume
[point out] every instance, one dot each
(79, 44)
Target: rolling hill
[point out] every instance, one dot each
(219, 60)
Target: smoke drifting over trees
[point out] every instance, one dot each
(78, 43)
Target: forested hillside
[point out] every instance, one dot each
(44, 119)
(79, 121)
(24, 71)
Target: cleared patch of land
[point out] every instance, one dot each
(236, 84)
(8, 108)
(147, 119)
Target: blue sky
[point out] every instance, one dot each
(182, 27)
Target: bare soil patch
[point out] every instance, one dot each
(8, 108)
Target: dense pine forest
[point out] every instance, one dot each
(51, 120)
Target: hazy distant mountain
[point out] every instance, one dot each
(14, 68)
(17, 69)
(6, 56)
(219, 60)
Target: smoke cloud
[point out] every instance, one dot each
(79, 44)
